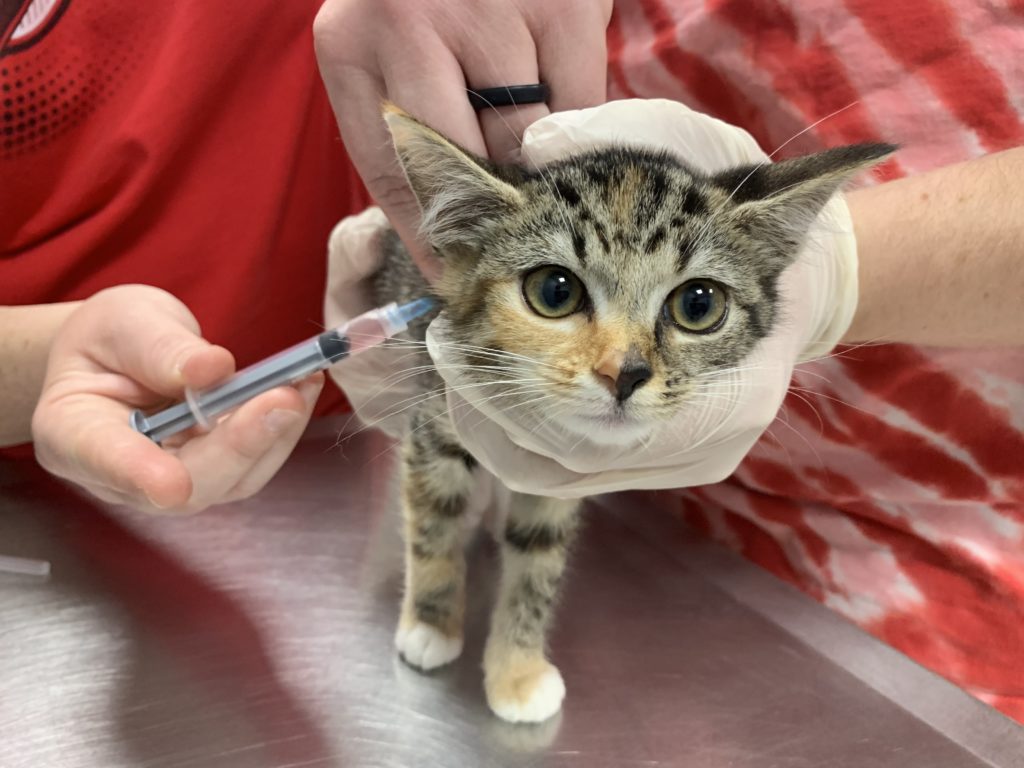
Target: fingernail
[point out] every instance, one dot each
(310, 390)
(155, 503)
(179, 368)
(279, 420)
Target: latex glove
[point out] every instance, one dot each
(706, 441)
(136, 346)
(377, 382)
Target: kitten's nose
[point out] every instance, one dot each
(624, 379)
(630, 379)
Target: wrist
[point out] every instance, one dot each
(26, 336)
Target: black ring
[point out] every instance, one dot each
(508, 96)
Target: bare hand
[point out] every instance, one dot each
(423, 55)
(139, 347)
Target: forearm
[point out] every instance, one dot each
(25, 337)
(942, 256)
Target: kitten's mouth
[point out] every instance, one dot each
(613, 417)
(614, 426)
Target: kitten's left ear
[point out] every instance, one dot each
(458, 193)
(780, 201)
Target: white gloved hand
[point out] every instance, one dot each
(706, 440)
(375, 381)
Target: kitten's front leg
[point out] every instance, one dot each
(522, 685)
(437, 479)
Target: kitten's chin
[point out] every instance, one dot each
(608, 429)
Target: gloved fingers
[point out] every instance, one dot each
(354, 255)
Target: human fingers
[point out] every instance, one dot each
(572, 53)
(245, 449)
(143, 333)
(266, 467)
(125, 347)
(499, 55)
(86, 438)
(356, 88)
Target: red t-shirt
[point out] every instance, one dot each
(176, 143)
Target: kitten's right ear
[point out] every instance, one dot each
(457, 193)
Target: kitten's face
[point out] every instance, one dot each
(614, 279)
(614, 286)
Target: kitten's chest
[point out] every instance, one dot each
(488, 503)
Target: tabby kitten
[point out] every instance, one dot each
(593, 291)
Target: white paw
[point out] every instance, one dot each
(425, 647)
(531, 698)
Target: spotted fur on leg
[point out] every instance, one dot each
(521, 684)
(437, 481)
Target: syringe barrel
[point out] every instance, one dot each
(159, 426)
(287, 367)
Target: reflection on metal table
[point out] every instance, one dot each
(260, 635)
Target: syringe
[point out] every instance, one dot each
(287, 367)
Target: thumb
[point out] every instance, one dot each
(155, 341)
(170, 357)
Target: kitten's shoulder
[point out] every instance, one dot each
(398, 278)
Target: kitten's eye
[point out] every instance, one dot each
(698, 306)
(553, 292)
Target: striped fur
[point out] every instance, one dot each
(632, 226)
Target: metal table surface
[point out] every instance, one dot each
(259, 634)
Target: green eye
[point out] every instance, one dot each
(553, 292)
(698, 306)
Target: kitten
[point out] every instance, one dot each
(607, 281)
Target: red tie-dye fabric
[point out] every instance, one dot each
(891, 488)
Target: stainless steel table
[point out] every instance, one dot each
(259, 634)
